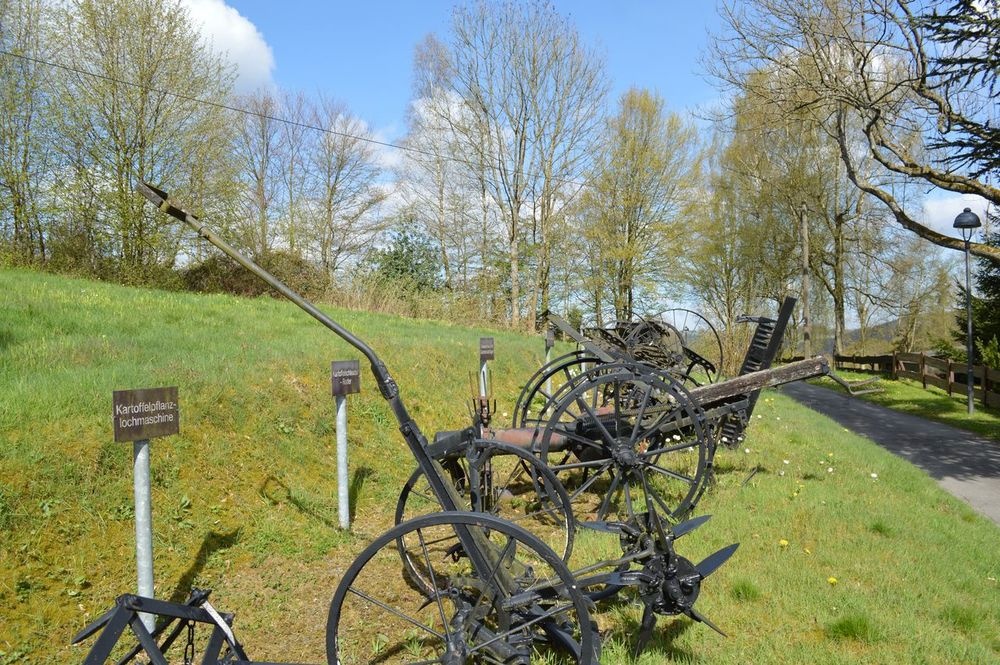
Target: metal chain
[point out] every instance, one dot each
(189, 647)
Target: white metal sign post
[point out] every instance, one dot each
(346, 379)
(486, 352)
(140, 415)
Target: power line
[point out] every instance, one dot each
(263, 116)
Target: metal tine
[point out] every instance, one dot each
(698, 616)
(690, 525)
(645, 630)
(714, 561)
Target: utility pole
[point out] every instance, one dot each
(806, 322)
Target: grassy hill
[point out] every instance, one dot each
(244, 498)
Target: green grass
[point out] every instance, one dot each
(244, 499)
(932, 403)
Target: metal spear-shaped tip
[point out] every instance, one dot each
(698, 616)
(161, 200)
(155, 195)
(714, 561)
(689, 526)
(645, 630)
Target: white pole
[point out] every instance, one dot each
(482, 380)
(143, 524)
(343, 495)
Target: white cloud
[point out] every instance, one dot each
(940, 211)
(386, 156)
(232, 34)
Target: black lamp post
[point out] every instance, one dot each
(967, 222)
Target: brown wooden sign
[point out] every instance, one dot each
(345, 376)
(145, 413)
(486, 349)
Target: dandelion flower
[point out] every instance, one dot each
(832, 581)
(783, 542)
(807, 550)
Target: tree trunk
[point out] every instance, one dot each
(806, 321)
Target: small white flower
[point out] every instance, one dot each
(746, 450)
(829, 469)
(781, 473)
(677, 437)
(875, 476)
(784, 461)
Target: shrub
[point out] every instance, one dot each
(219, 274)
(989, 352)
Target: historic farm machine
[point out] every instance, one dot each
(623, 444)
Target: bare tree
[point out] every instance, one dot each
(344, 189)
(295, 141)
(872, 70)
(23, 129)
(259, 152)
(434, 174)
(120, 119)
(524, 96)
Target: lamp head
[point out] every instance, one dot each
(966, 222)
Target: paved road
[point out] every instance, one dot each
(963, 463)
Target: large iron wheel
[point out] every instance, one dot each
(520, 604)
(700, 342)
(625, 439)
(497, 479)
(535, 401)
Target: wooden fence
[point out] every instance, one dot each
(945, 374)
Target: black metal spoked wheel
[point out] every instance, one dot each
(518, 605)
(702, 346)
(497, 479)
(625, 439)
(535, 401)
(656, 344)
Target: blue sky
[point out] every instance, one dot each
(361, 53)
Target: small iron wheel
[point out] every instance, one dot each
(497, 479)
(518, 604)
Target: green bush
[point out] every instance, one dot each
(989, 352)
(219, 274)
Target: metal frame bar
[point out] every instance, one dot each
(475, 545)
